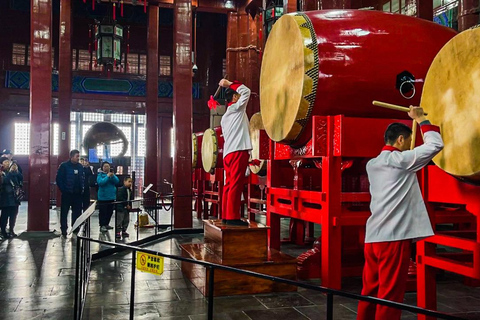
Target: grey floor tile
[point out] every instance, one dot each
(142, 296)
(286, 313)
(189, 294)
(320, 312)
(181, 308)
(281, 300)
(222, 316)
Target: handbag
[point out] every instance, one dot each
(18, 192)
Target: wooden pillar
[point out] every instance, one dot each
(232, 29)
(151, 161)
(65, 79)
(182, 114)
(40, 115)
(467, 14)
(425, 9)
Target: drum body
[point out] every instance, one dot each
(212, 149)
(334, 62)
(197, 150)
(260, 145)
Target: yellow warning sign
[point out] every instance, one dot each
(149, 263)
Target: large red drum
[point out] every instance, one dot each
(337, 61)
(212, 149)
(197, 150)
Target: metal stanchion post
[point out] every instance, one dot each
(77, 280)
(132, 288)
(329, 306)
(210, 292)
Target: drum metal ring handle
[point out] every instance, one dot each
(413, 89)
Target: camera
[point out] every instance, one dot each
(194, 69)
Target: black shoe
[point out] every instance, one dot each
(5, 235)
(12, 234)
(109, 227)
(237, 222)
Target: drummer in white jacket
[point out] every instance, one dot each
(236, 150)
(399, 215)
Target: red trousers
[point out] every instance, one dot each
(235, 164)
(385, 277)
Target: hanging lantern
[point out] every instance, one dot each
(108, 44)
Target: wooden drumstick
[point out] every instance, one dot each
(218, 89)
(390, 106)
(414, 134)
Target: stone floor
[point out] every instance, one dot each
(37, 280)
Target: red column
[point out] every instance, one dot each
(425, 10)
(151, 161)
(182, 114)
(40, 114)
(331, 232)
(65, 78)
(232, 28)
(467, 14)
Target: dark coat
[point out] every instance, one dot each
(122, 195)
(7, 195)
(89, 176)
(66, 177)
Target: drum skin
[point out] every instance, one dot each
(451, 97)
(197, 150)
(212, 149)
(259, 145)
(332, 62)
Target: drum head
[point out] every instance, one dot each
(290, 59)
(451, 97)
(256, 125)
(209, 150)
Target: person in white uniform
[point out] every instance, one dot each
(236, 150)
(399, 215)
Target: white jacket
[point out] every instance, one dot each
(398, 210)
(235, 126)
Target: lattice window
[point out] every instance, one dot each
(73, 136)
(132, 59)
(141, 141)
(224, 67)
(83, 60)
(98, 67)
(56, 139)
(18, 54)
(172, 143)
(141, 118)
(143, 64)
(73, 116)
(21, 141)
(165, 66)
(92, 116)
(122, 118)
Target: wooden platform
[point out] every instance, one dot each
(239, 247)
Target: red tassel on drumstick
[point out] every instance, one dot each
(212, 103)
